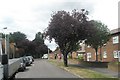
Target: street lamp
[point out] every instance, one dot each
(0, 43)
(5, 60)
(5, 41)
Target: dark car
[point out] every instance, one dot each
(27, 60)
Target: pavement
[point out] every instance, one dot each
(104, 71)
(43, 69)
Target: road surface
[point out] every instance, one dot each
(43, 69)
(1, 71)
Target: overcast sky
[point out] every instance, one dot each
(32, 16)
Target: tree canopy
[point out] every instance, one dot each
(67, 29)
(39, 38)
(17, 37)
(35, 48)
(100, 35)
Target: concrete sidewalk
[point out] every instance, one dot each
(104, 71)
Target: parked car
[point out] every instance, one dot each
(27, 60)
(31, 59)
(22, 64)
(45, 56)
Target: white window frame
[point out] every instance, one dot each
(115, 54)
(115, 39)
(89, 55)
(104, 54)
(88, 46)
(119, 55)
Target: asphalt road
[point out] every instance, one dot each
(1, 72)
(43, 69)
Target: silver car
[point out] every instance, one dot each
(22, 64)
(31, 59)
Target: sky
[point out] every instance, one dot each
(32, 16)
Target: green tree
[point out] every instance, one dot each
(40, 48)
(17, 37)
(99, 36)
(39, 38)
(67, 29)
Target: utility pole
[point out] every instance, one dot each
(48, 54)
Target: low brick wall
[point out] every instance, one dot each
(94, 64)
(114, 67)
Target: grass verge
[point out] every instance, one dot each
(82, 72)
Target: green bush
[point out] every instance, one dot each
(80, 58)
(117, 63)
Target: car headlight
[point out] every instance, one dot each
(21, 64)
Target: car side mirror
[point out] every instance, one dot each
(4, 59)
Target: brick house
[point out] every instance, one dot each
(55, 54)
(107, 53)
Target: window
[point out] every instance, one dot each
(89, 55)
(119, 55)
(80, 54)
(115, 53)
(115, 39)
(88, 46)
(104, 54)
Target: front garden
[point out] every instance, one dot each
(115, 66)
(81, 71)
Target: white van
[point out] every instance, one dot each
(45, 56)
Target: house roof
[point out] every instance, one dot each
(114, 31)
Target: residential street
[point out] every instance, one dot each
(43, 69)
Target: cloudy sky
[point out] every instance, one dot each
(32, 16)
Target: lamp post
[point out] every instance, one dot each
(5, 60)
(0, 43)
(5, 41)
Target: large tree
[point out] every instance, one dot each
(24, 44)
(17, 37)
(67, 29)
(40, 47)
(39, 38)
(99, 36)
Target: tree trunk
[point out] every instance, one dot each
(100, 53)
(65, 60)
(96, 50)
